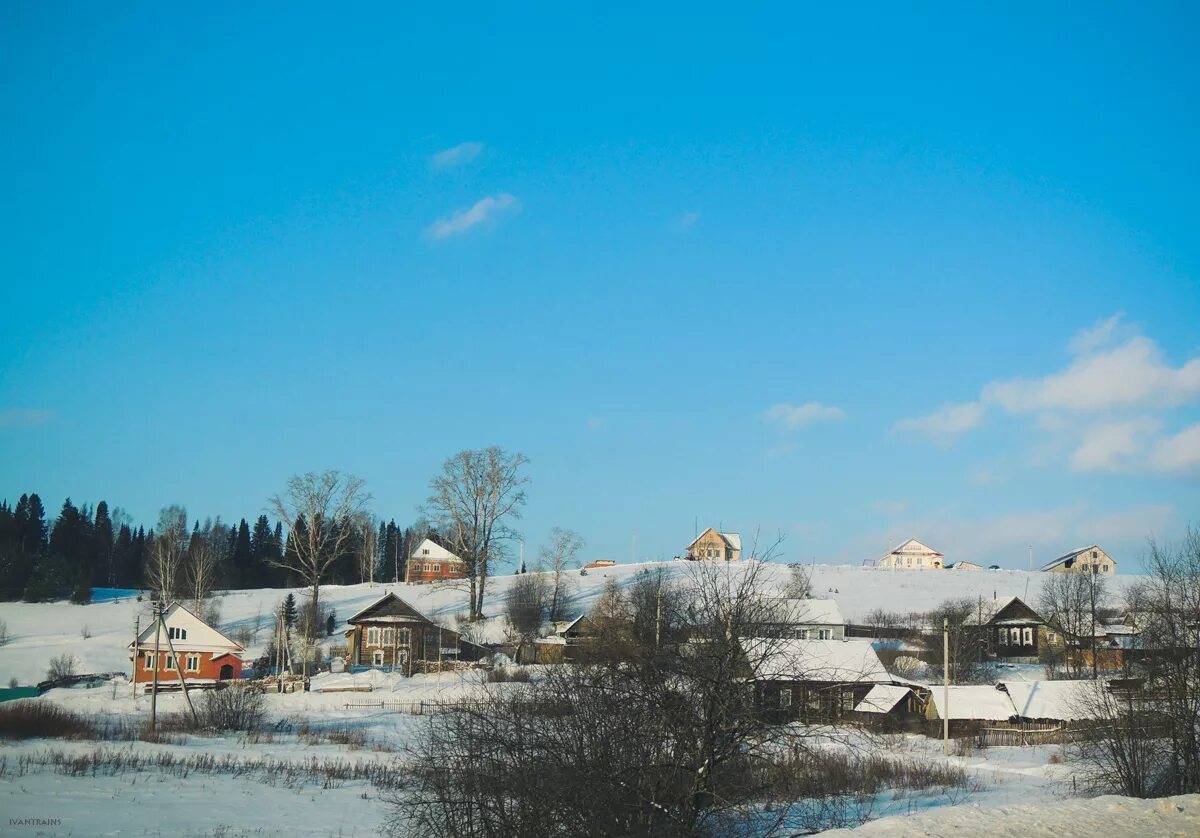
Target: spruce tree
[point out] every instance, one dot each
(289, 611)
(103, 541)
(242, 558)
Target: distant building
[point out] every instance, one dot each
(206, 655)
(711, 545)
(913, 555)
(1016, 633)
(1084, 560)
(391, 633)
(431, 562)
(599, 563)
(807, 619)
(965, 566)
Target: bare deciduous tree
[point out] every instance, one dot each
(206, 551)
(471, 501)
(367, 547)
(167, 554)
(559, 554)
(319, 511)
(1070, 601)
(525, 608)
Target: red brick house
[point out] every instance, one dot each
(431, 562)
(205, 654)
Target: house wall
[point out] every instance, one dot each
(419, 643)
(808, 700)
(912, 561)
(421, 570)
(1010, 647)
(1086, 561)
(210, 669)
(712, 547)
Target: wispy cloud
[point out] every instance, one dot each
(448, 158)
(1107, 406)
(25, 417)
(462, 220)
(946, 423)
(688, 220)
(1178, 454)
(792, 417)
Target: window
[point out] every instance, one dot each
(1104, 569)
(170, 664)
(193, 663)
(424, 567)
(437, 568)
(402, 637)
(1051, 637)
(389, 636)
(176, 633)
(785, 698)
(1095, 554)
(802, 634)
(425, 552)
(373, 636)
(378, 658)
(824, 634)
(1014, 637)
(1002, 637)
(1028, 636)
(149, 661)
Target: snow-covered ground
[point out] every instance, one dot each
(258, 802)
(98, 634)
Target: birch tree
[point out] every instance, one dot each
(206, 551)
(476, 494)
(167, 553)
(558, 555)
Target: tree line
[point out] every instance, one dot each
(45, 558)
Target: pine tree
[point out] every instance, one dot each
(126, 570)
(103, 570)
(71, 542)
(290, 614)
(330, 624)
(243, 555)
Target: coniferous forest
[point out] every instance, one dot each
(65, 554)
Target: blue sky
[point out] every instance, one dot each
(849, 277)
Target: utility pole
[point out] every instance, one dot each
(154, 685)
(179, 671)
(946, 686)
(137, 632)
(1031, 558)
(658, 616)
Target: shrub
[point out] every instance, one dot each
(507, 674)
(236, 707)
(85, 632)
(61, 667)
(34, 719)
(3, 632)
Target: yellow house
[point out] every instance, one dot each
(711, 545)
(913, 555)
(1084, 560)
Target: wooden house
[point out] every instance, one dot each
(807, 619)
(431, 562)
(391, 633)
(1016, 633)
(812, 680)
(912, 555)
(205, 654)
(711, 545)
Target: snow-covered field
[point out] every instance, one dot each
(266, 799)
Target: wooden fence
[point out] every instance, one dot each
(412, 708)
(1023, 733)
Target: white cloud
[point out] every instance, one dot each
(25, 417)
(1091, 339)
(457, 155)
(792, 417)
(1178, 454)
(1112, 446)
(945, 424)
(688, 220)
(462, 220)
(1132, 375)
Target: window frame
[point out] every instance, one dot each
(188, 660)
(785, 698)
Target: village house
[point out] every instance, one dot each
(813, 680)
(431, 562)
(912, 555)
(1017, 634)
(807, 619)
(893, 706)
(1084, 560)
(392, 634)
(205, 654)
(964, 565)
(711, 545)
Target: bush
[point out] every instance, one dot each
(236, 707)
(61, 667)
(34, 719)
(3, 632)
(507, 674)
(85, 633)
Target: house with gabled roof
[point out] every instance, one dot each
(204, 653)
(391, 633)
(712, 545)
(1017, 634)
(1090, 559)
(431, 562)
(913, 555)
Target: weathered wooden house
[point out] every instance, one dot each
(391, 633)
(1016, 633)
(812, 680)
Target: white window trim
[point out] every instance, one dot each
(190, 659)
(377, 659)
(372, 635)
(149, 661)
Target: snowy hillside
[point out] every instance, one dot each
(98, 633)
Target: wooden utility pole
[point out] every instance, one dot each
(658, 617)
(154, 685)
(182, 679)
(137, 633)
(946, 686)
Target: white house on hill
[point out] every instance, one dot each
(913, 555)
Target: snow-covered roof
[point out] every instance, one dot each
(387, 618)
(733, 539)
(839, 661)
(1059, 700)
(200, 637)
(1074, 554)
(983, 703)
(882, 698)
(813, 612)
(915, 547)
(436, 552)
